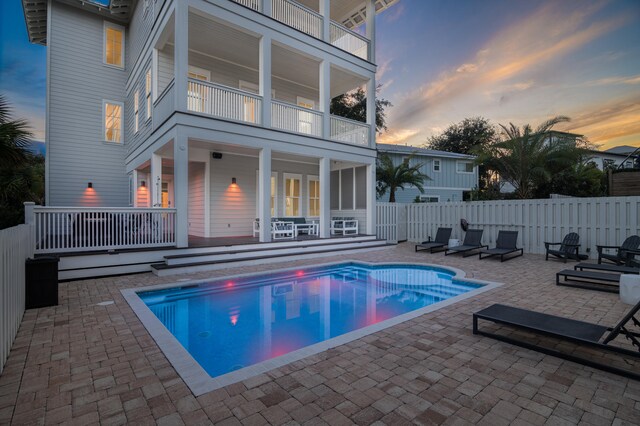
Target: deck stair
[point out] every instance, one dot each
(171, 261)
(260, 254)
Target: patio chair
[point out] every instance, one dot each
(568, 248)
(472, 241)
(344, 225)
(505, 244)
(282, 230)
(621, 255)
(566, 329)
(440, 243)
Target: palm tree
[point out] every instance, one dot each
(391, 177)
(526, 158)
(14, 137)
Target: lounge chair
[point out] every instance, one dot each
(589, 280)
(472, 241)
(578, 332)
(440, 243)
(505, 244)
(568, 248)
(622, 254)
(607, 268)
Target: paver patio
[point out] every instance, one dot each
(80, 363)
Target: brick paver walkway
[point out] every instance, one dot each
(80, 363)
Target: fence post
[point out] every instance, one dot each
(29, 217)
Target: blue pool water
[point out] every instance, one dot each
(231, 324)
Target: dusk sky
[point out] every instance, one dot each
(519, 61)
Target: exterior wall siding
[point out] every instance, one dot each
(145, 127)
(78, 84)
(196, 199)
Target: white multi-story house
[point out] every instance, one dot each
(216, 112)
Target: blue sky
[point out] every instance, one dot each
(440, 61)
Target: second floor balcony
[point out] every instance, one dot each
(230, 80)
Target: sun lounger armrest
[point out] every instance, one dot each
(546, 244)
(600, 248)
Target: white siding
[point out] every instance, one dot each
(196, 199)
(78, 82)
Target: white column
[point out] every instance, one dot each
(155, 186)
(371, 29)
(266, 7)
(265, 79)
(264, 194)
(371, 110)
(371, 199)
(29, 213)
(325, 98)
(181, 187)
(325, 11)
(325, 197)
(181, 54)
(134, 187)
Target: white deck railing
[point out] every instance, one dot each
(252, 4)
(68, 229)
(347, 40)
(293, 118)
(224, 102)
(297, 16)
(349, 131)
(16, 245)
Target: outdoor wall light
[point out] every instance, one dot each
(90, 185)
(233, 181)
(143, 184)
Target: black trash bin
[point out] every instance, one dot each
(41, 282)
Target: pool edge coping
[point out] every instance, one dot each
(200, 382)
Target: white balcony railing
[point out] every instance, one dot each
(224, 102)
(348, 40)
(296, 119)
(252, 4)
(67, 229)
(349, 131)
(297, 16)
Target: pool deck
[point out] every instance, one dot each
(80, 363)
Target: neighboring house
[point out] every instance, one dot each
(611, 160)
(218, 109)
(451, 174)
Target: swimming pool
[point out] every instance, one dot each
(233, 325)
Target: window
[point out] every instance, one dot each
(430, 198)
(197, 93)
(305, 119)
(314, 196)
(147, 92)
(436, 165)
(250, 104)
(112, 121)
(136, 110)
(113, 45)
(464, 167)
(291, 195)
(274, 193)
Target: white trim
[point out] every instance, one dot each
(136, 111)
(465, 173)
(148, 93)
(104, 121)
(207, 196)
(154, 75)
(105, 25)
(312, 178)
(433, 165)
(286, 176)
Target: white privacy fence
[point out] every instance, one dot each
(297, 16)
(293, 118)
(16, 245)
(69, 229)
(387, 221)
(598, 221)
(224, 102)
